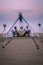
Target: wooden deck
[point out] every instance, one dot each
(21, 51)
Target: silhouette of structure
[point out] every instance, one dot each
(20, 18)
(39, 24)
(4, 25)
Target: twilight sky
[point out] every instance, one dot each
(36, 6)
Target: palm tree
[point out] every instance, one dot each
(4, 25)
(39, 24)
